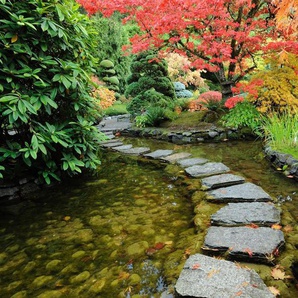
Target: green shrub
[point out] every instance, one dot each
(149, 84)
(45, 106)
(244, 114)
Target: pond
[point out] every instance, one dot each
(127, 231)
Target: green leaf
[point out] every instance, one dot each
(45, 25)
(34, 142)
(65, 165)
(8, 98)
(21, 106)
(65, 82)
(42, 148)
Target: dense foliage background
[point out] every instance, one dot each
(45, 106)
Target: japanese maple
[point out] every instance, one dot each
(223, 36)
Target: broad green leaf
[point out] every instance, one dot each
(45, 25)
(8, 98)
(34, 142)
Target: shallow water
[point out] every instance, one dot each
(125, 232)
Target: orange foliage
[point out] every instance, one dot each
(287, 16)
(104, 97)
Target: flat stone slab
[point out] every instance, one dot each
(203, 276)
(159, 153)
(246, 192)
(112, 144)
(136, 150)
(235, 214)
(175, 157)
(123, 147)
(188, 162)
(208, 169)
(253, 244)
(222, 180)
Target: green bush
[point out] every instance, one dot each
(243, 115)
(45, 107)
(149, 84)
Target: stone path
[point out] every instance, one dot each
(242, 228)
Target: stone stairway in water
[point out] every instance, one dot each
(242, 228)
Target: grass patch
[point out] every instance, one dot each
(281, 133)
(116, 109)
(187, 120)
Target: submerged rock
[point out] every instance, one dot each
(137, 249)
(204, 276)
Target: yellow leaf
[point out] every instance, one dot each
(278, 273)
(66, 218)
(14, 38)
(274, 291)
(168, 242)
(276, 227)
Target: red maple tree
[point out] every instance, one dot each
(222, 36)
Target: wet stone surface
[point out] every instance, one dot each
(191, 162)
(208, 169)
(246, 213)
(112, 144)
(159, 153)
(246, 192)
(175, 157)
(204, 276)
(245, 242)
(222, 180)
(136, 150)
(123, 147)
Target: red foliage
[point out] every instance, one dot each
(230, 32)
(210, 96)
(232, 101)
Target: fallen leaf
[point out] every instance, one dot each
(159, 245)
(238, 293)
(252, 226)
(288, 229)
(274, 291)
(168, 242)
(249, 251)
(150, 251)
(195, 266)
(123, 275)
(276, 227)
(278, 273)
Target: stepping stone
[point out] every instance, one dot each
(203, 276)
(112, 144)
(235, 214)
(221, 181)
(123, 147)
(246, 192)
(188, 162)
(109, 141)
(136, 150)
(159, 153)
(175, 157)
(253, 244)
(208, 169)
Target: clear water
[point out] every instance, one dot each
(127, 231)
